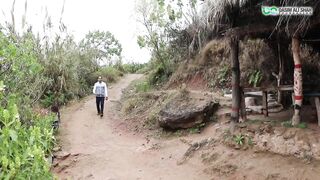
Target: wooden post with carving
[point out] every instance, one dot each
(298, 90)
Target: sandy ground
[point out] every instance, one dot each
(96, 149)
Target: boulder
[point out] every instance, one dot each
(186, 110)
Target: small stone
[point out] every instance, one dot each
(89, 175)
(290, 133)
(62, 155)
(279, 131)
(55, 164)
(241, 125)
(237, 147)
(56, 149)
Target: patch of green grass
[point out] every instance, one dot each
(226, 134)
(302, 125)
(131, 104)
(178, 133)
(250, 141)
(151, 120)
(143, 86)
(288, 124)
(194, 130)
(253, 121)
(274, 122)
(197, 129)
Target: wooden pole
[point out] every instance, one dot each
(265, 110)
(243, 107)
(317, 102)
(298, 90)
(280, 73)
(234, 44)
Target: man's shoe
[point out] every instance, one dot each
(101, 115)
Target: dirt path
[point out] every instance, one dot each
(97, 151)
(95, 148)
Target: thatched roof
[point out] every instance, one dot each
(244, 18)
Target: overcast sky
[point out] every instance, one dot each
(82, 16)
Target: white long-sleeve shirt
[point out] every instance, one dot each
(100, 89)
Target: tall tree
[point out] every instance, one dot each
(159, 19)
(105, 47)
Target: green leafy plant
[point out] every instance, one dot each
(255, 78)
(23, 149)
(223, 73)
(239, 139)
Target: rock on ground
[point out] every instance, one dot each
(187, 110)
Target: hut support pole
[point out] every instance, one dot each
(317, 102)
(236, 99)
(280, 73)
(298, 91)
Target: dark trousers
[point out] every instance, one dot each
(100, 104)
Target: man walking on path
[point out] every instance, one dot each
(101, 91)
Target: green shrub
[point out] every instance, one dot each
(159, 75)
(23, 148)
(110, 74)
(47, 100)
(132, 67)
